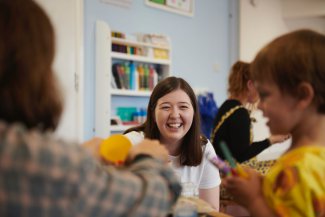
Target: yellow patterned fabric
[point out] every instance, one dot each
(295, 185)
(261, 166)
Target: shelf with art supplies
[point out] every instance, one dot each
(150, 48)
(127, 117)
(128, 66)
(134, 78)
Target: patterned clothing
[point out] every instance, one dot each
(42, 176)
(261, 166)
(235, 131)
(295, 185)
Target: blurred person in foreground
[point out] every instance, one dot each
(289, 74)
(41, 175)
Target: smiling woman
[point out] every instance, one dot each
(173, 119)
(174, 116)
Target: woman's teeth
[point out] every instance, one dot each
(174, 125)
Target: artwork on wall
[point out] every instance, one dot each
(121, 3)
(183, 7)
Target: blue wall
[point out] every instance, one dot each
(198, 43)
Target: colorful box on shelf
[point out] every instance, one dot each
(154, 39)
(126, 113)
(160, 53)
(131, 115)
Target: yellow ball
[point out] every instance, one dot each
(115, 148)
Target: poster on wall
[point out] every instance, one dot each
(183, 7)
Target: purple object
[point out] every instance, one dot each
(222, 165)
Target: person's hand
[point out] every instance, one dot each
(92, 146)
(245, 190)
(278, 138)
(149, 147)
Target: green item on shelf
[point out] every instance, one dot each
(126, 113)
(162, 2)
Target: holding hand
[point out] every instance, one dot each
(248, 193)
(149, 147)
(92, 146)
(245, 191)
(278, 138)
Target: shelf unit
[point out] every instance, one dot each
(107, 97)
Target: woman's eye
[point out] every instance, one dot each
(165, 107)
(183, 107)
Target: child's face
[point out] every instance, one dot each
(174, 116)
(279, 108)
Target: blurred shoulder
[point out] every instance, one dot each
(206, 144)
(135, 136)
(21, 145)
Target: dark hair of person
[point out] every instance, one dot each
(291, 59)
(191, 147)
(238, 78)
(28, 91)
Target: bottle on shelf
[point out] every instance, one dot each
(146, 77)
(153, 77)
(141, 76)
(127, 74)
(133, 76)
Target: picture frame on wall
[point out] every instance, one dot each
(182, 7)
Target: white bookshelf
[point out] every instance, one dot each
(105, 94)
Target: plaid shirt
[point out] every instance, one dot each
(43, 176)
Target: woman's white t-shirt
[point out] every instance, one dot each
(204, 176)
